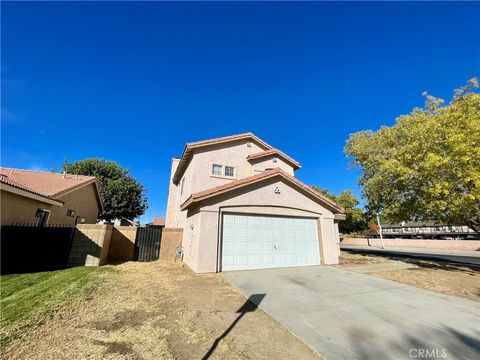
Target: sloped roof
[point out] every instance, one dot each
(278, 153)
(47, 184)
(190, 147)
(277, 172)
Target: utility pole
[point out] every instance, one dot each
(380, 231)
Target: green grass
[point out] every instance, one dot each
(27, 300)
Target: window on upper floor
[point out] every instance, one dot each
(217, 170)
(181, 186)
(224, 171)
(229, 171)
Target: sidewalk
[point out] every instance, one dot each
(460, 256)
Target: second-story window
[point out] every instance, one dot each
(217, 170)
(181, 186)
(229, 171)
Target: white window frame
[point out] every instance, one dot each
(213, 170)
(225, 171)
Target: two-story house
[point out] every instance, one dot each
(241, 207)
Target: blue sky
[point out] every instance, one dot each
(133, 82)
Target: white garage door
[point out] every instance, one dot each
(258, 242)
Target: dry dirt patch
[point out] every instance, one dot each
(446, 278)
(349, 259)
(440, 276)
(160, 311)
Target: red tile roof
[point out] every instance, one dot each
(160, 221)
(277, 152)
(196, 197)
(226, 138)
(47, 184)
(189, 147)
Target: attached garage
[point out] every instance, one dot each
(258, 241)
(269, 220)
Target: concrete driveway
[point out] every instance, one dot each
(347, 315)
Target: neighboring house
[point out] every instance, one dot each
(241, 207)
(42, 198)
(157, 221)
(429, 229)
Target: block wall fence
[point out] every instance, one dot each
(96, 245)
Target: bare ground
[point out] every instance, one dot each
(443, 277)
(159, 311)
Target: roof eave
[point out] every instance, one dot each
(190, 147)
(295, 164)
(30, 195)
(335, 208)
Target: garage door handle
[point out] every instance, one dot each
(275, 247)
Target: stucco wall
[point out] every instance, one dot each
(190, 240)
(172, 194)
(261, 164)
(83, 201)
(201, 242)
(198, 174)
(16, 208)
(234, 154)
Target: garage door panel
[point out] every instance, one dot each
(255, 246)
(228, 260)
(259, 241)
(241, 246)
(228, 246)
(268, 245)
(268, 259)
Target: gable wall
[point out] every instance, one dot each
(83, 201)
(261, 164)
(234, 153)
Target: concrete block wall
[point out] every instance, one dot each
(122, 244)
(96, 245)
(90, 245)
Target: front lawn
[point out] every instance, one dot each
(27, 300)
(155, 310)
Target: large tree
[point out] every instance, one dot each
(427, 165)
(122, 195)
(356, 219)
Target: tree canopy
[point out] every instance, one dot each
(122, 195)
(427, 165)
(356, 219)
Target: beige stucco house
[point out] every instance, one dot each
(43, 198)
(241, 207)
